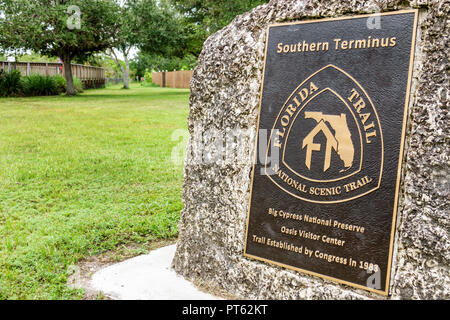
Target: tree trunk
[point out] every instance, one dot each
(126, 70)
(126, 74)
(70, 89)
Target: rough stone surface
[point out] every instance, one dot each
(225, 95)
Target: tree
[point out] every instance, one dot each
(201, 18)
(147, 25)
(212, 14)
(58, 28)
(126, 38)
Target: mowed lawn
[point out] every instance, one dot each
(83, 175)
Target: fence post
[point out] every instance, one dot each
(164, 79)
(28, 69)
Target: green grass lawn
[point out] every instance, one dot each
(83, 175)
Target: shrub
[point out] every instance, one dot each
(148, 76)
(10, 84)
(78, 85)
(13, 84)
(38, 85)
(60, 83)
(148, 82)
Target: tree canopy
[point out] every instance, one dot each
(196, 20)
(201, 18)
(213, 15)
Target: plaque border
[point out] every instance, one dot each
(386, 292)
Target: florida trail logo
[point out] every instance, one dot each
(330, 140)
(341, 142)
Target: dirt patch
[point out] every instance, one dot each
(82, 272)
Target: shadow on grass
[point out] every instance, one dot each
(134, 94)
(112, 94)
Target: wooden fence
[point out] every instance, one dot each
(173, 79)
(90, 76)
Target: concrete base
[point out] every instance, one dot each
(146, 277)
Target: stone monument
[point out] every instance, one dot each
(317, 164)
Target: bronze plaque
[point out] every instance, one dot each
(331, 129)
